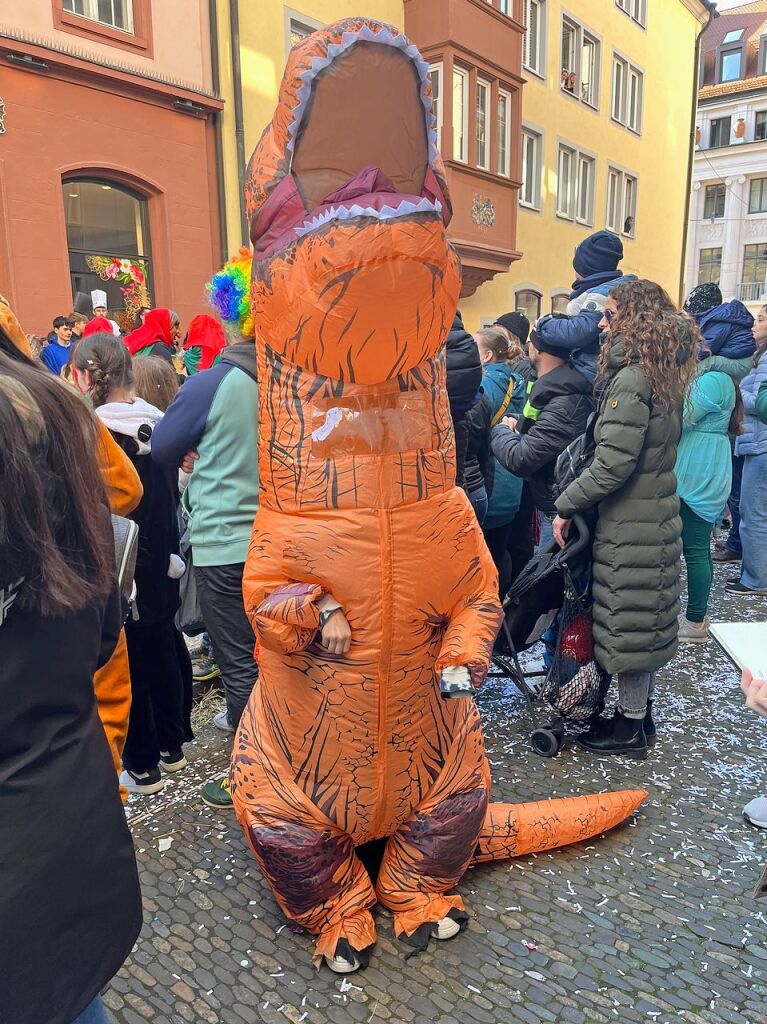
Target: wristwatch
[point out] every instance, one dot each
(324, 616)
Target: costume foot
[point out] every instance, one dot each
(346, 959)
(446, 928)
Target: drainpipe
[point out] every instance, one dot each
(217, 118)
(239, 126)
(712, 13)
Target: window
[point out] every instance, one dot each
(720, 131)
(628, 90)
(729, 65)
(483, 140)
(621, 202)
(559, 302)
(575, 185)
(530, 193)
(580, 63)
(528, 302)
(108, 242)
(114, 13)
(733, 36)
(709, 266)
(460, 114)
(713, 206)
(760, 128)
(757, 197)
(299, 31)
(755, 263)
(435, 75)
(636, 9)
(533, 51)
(504, 133)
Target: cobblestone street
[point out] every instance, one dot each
(655, 922)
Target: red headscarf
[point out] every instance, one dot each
(207, 333)
(154, 330)
(98, 325)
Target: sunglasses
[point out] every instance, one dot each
(608, 315)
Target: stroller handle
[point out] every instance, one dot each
(574, 547)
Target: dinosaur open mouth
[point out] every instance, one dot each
(362, 144)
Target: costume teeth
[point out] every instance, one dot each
(403, 209)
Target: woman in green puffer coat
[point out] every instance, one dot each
(648, 357)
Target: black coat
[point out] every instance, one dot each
(479, 466)
(564, 401)
(464, 378)
(70, 905)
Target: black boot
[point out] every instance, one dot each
(617, 735)
(649, 726)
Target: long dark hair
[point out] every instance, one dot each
(109, 363)
(735, 427)
(55, 534)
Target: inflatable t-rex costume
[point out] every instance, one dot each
(354, 288)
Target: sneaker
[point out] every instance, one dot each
(755, 812)
(726, 555)
(143, 783)
(693, 632)
(173, 760)
(741, 590)
(340, 965)
(218, 793)
(221, 721)
(446, 928)
(204, 668)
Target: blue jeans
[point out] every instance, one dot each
(753, 522)
(93, 1014)
(479, 503)
(547, 534)
(733, 540)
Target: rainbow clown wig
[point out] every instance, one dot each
(229, 294)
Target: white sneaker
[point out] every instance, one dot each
(172, 760)
(144, 783)
(340, 965)
(221, 721)
(693, 632)
(755, 812)
(445, 928)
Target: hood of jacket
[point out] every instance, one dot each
(726, 330)
(464, 370)
(599, 284)
(242, 355)
(563, 380)
(136, 419)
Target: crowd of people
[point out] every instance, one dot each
(162, 426)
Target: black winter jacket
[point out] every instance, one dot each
(479, 466)
(464, 378)
(563, 401)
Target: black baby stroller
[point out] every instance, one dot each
(551, 601)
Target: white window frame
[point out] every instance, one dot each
(572, 204)
(483, 153)
(530, 197)
(504, 166)
(302, 23)
(581, 36)
(635, 9)
(462, 128)
(534, 56)
(621, 200)
(438, 70)
(627, 97)
(91, 13)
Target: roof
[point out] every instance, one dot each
(750, 17)
(733, 88)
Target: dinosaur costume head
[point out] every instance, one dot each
(353, 276)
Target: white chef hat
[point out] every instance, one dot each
(98, 299)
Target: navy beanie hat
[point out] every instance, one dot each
(544, 336)
(598, 253)
(517, 323)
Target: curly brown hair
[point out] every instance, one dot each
(655, 334)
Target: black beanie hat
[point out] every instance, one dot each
(543, 337)
(598, 253)
(517, 323)
(706, 296)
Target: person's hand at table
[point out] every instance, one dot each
(756, 693)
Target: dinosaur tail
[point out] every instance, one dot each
(513, 830)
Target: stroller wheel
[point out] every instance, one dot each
(546, 743)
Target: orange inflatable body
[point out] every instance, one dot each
(354, 290)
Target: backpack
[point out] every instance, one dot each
(577, 457)
(126, 549)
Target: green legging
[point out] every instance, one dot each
(696, 545)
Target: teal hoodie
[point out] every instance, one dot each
(503, 388)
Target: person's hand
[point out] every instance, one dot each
(188, 461)
(561, 528)
(336, 634)
(510, 422)
(756, 693)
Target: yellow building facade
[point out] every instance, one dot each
(607, 111)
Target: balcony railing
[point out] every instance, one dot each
(751, 291)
